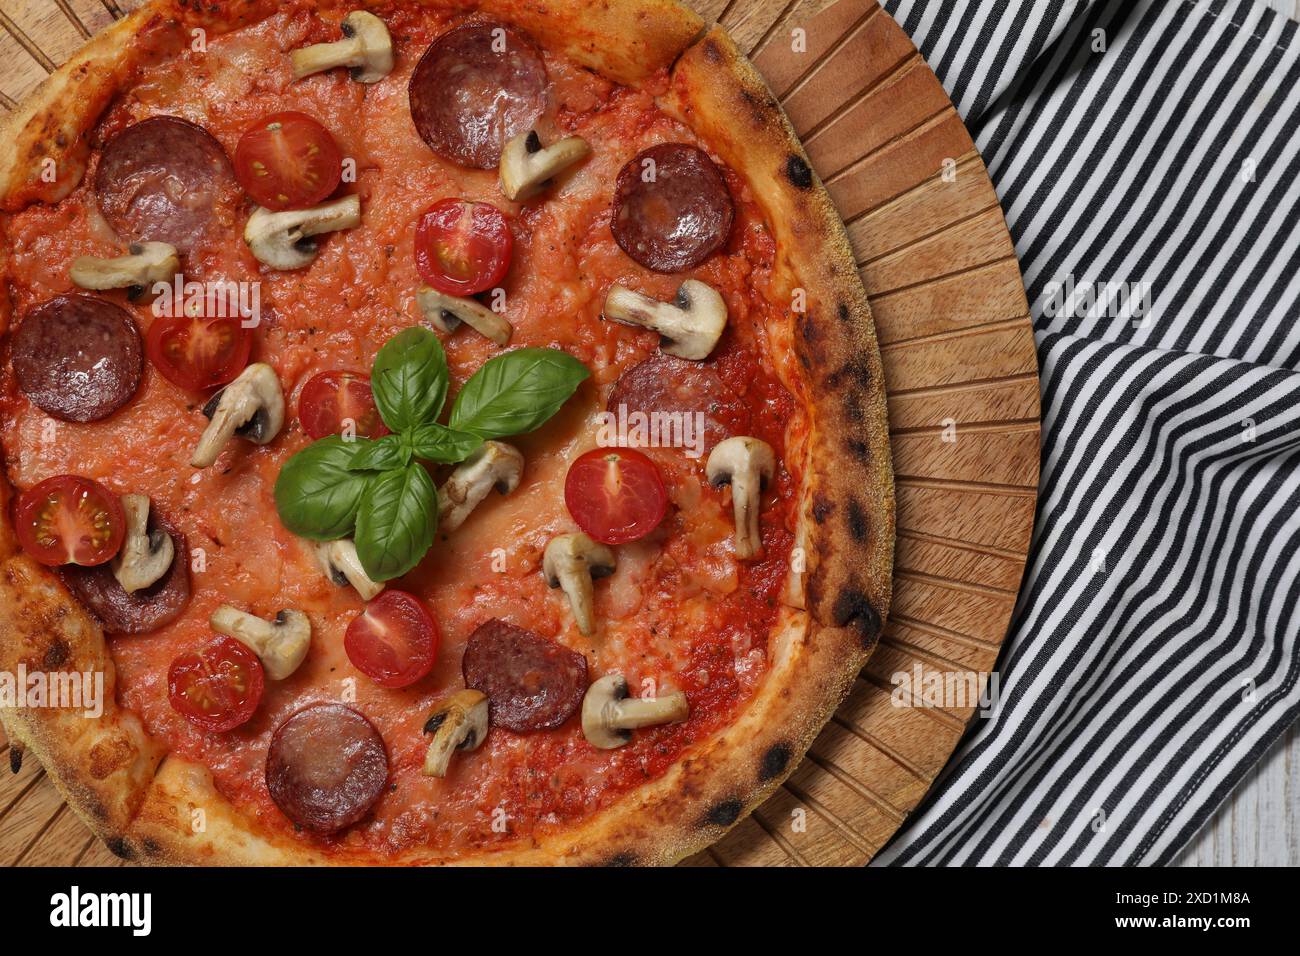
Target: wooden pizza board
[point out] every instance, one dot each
(962, 378)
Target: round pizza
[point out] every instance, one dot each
(445, 432)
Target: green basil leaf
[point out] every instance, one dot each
(409, 379)
(316, 494)
(382, 454)
(516, 392)
(446, 446)
(396, 521)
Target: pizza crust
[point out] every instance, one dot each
(160, 809)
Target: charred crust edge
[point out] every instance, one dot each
(853, 609)
(723, 813)
(774, 762)
(798, 172)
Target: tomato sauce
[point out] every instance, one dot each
(680, 611)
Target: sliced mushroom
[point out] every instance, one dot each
(283, 240)
(495, 465)
(252, 407)
(145, 557)
(147, 263)
(339, 561)
(281, 642)
(609, 716)
(447, 312)
(526, 167)
(459, 723)
(747, 464)
(366, 49)
(572, 562)
(689, 326)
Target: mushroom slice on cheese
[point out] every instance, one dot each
(281, 643)
(252, 407)
(459, 723)
(145, 557)
(339, 561)
(366, 50)
(689, 326)
(145, 264)
(284, 240)
(446, 312)
(527, 166)
(572, 562)
(494, 465)
(609, 716)
(746, 464)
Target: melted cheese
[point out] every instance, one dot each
(679, 611)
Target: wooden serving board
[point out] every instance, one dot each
(962, 378)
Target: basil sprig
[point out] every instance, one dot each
(377, 491)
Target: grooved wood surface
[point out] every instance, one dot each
(961, 373)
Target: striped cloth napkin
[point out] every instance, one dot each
(1147, 155)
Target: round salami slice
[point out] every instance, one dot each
(141, 611)
(476, 88)
(531, 683)
(695, 390)
(672, 208)
(326, 767)
(161, 179)
(77, 358)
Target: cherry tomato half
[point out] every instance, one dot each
(198, 353)
(288, 161)
(217, 687)
(394, 641)
(331, 399)
(463, 247)
(69, 520)
(615, 495)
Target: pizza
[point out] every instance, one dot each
(449, 433)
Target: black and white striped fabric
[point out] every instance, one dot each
(1154, 654)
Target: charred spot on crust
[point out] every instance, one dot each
(56, 654)
(858, 449)
(859, 525)
(855, 372)
(852, 609)
(120, 848)
(711, 51)
(724, 813)
(151, 847)
(844, 313)
(15, 759)
(626, 858)
(774, 762)
(798, 172)
(822, 508)
(809, 329)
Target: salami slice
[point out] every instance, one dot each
(672, 208)
(476, 88)
(666, 384)
(77, 358)
(531, 683)
(326, 767)
(161, 180)
(141, 611)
